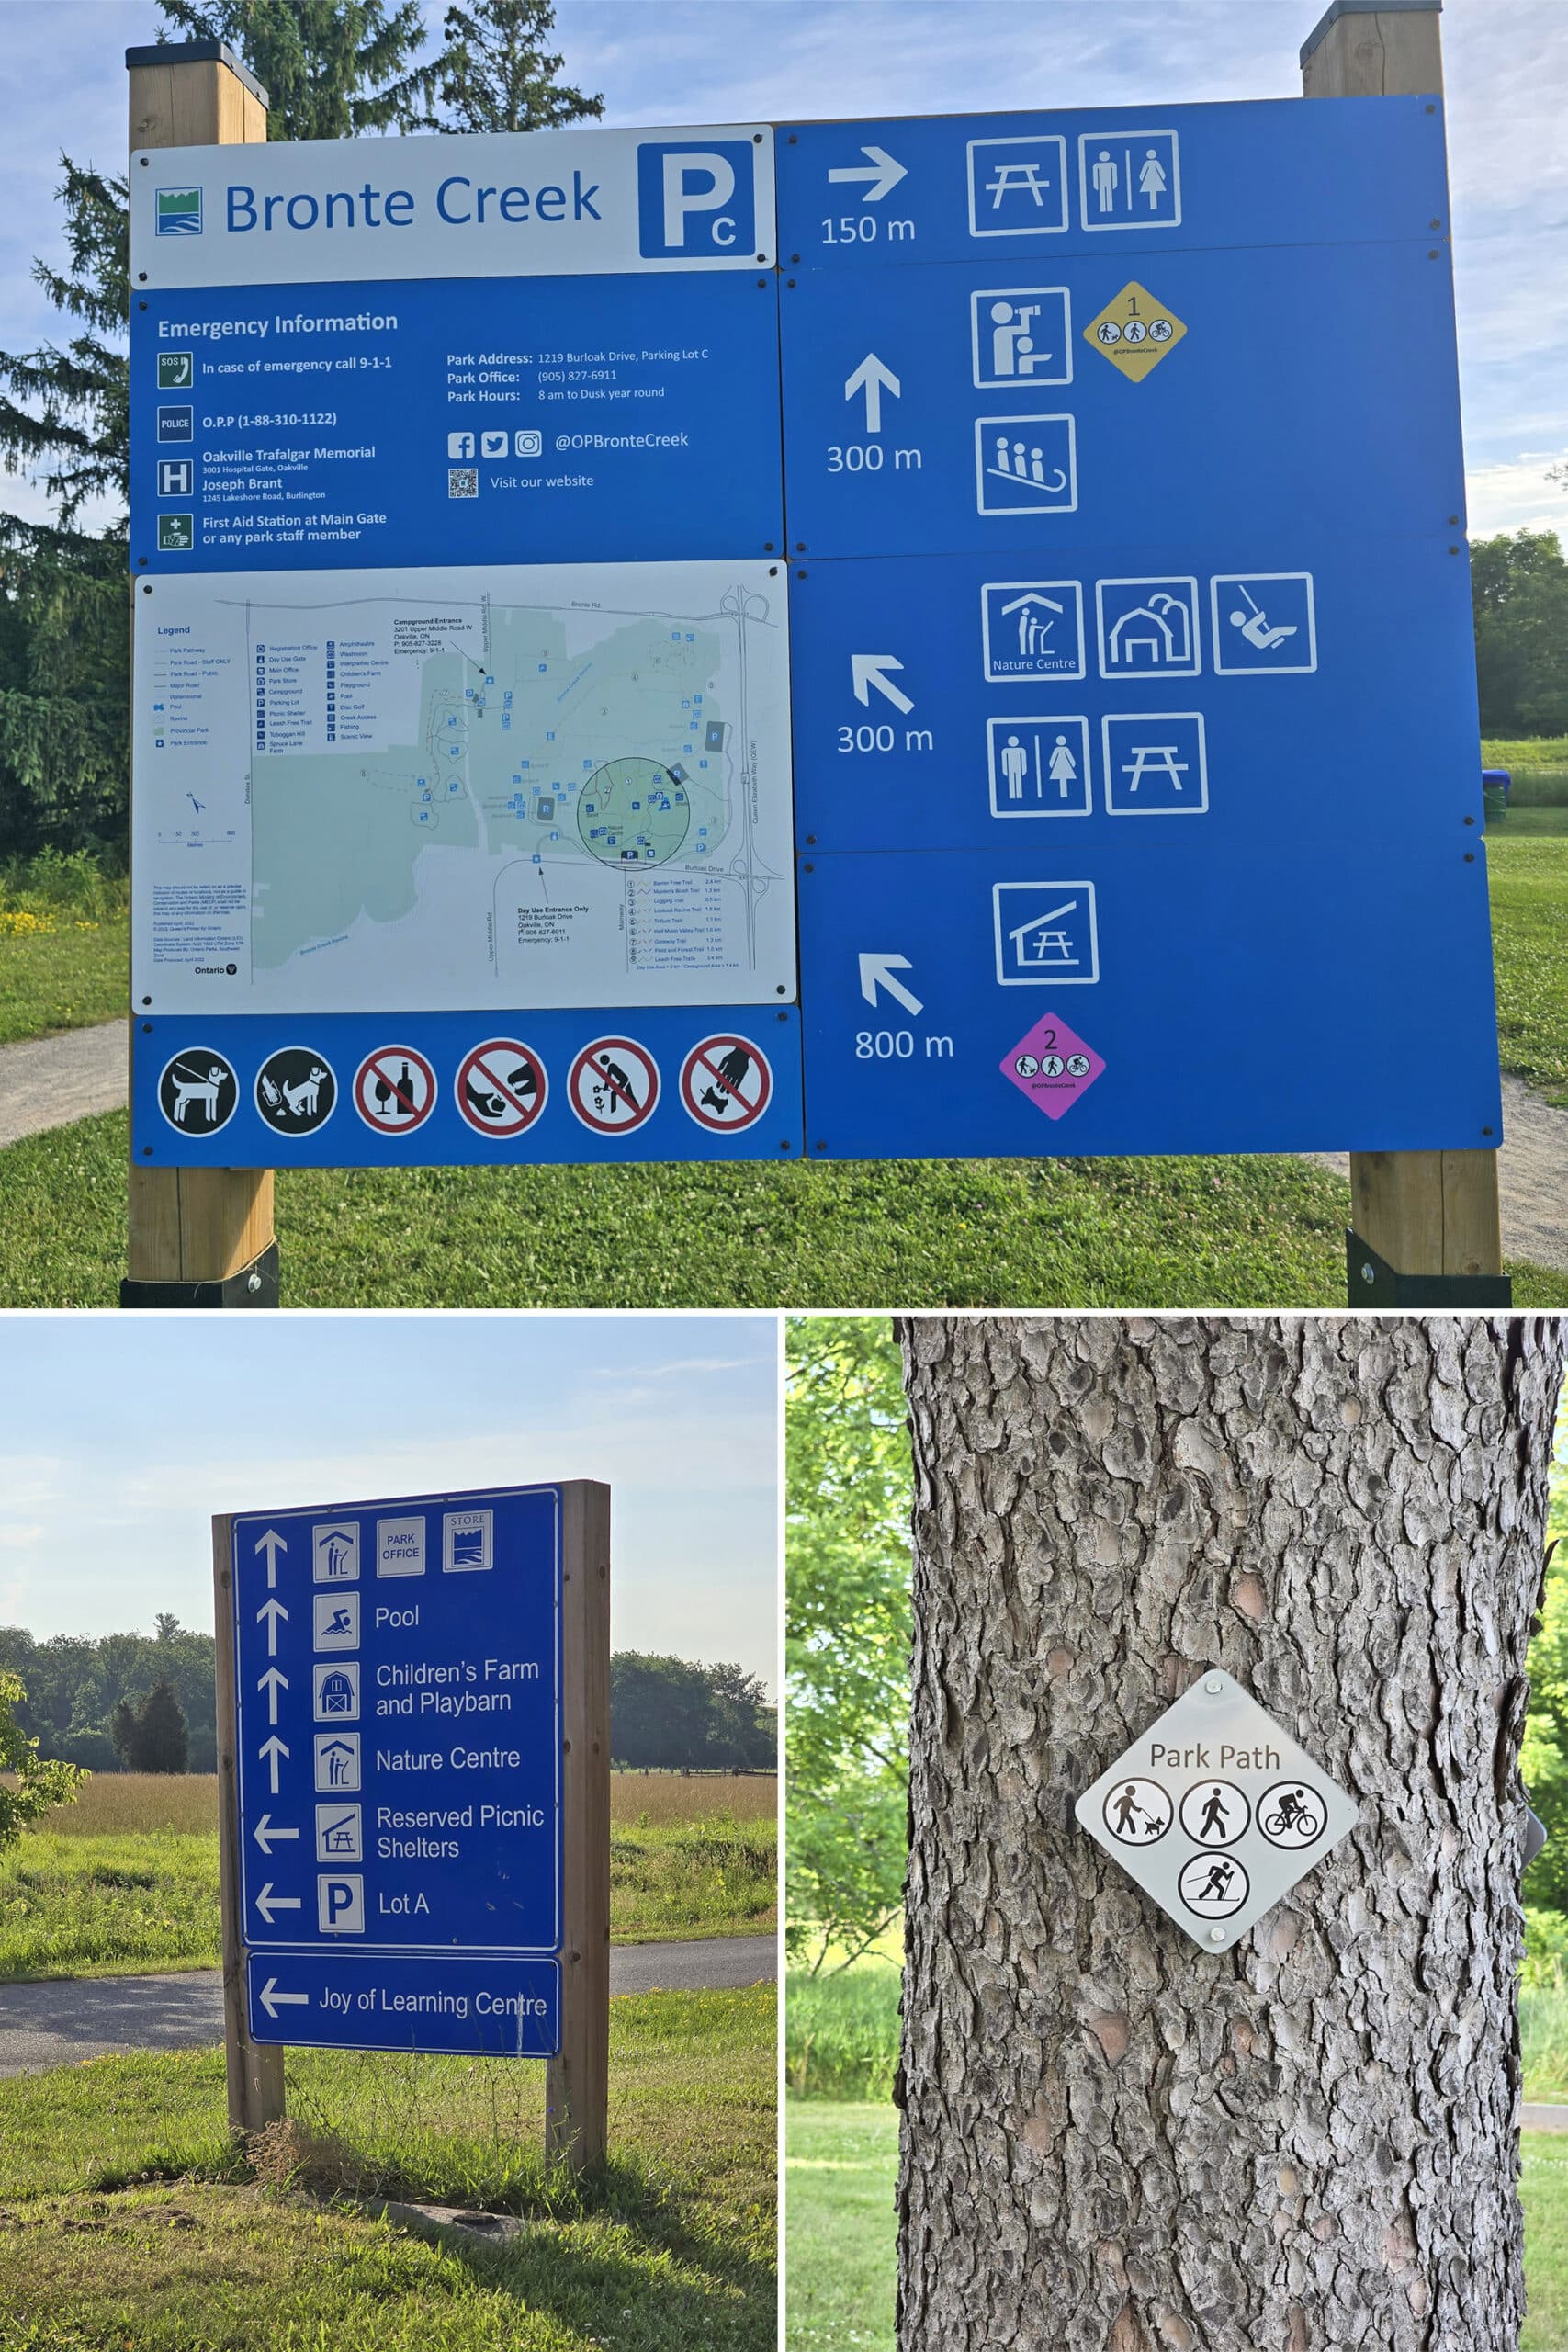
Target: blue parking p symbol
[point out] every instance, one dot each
(697, 200)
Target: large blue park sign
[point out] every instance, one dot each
(398, 1672)
(846, 639)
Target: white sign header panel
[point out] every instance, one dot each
(509, 204)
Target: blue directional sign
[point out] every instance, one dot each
(398, 1667)
(498, 2007)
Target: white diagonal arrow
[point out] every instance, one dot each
(867, 671)
(873, 377)
(272, 1682)
(266, 1836)
(272, 1544)
(272, 1749)
(273, 1609)
(272, 2000)
(885, 172)
(876, 971)
(267, 1902)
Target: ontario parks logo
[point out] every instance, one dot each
(179, 212)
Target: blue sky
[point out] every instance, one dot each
(696, 61)
(119, 1437)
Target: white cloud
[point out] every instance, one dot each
(1516, 495)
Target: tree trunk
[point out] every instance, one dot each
(1113, 2142)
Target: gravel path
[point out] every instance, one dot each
(49, 1081)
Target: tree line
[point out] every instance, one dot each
(147, 1702)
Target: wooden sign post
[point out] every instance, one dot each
(197, 1236)
(577, 2074)
(1425, 1225)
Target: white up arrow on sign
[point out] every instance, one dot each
(271, 1749)
(873, 377)
(272, 2000)
(267, 1902)
(867, 671)
(876, 971)
(272, 1544)
(267, 1836)
(272, 1682)
(884, 173)
(271, 1611)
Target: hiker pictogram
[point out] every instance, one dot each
(501, 1086)
(1137, 1813)
(727, 1083)
(1215, 1812)
(614, 1086)
(394, 1089)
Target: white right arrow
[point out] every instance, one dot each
(867, 671)
(876, 971)
(873, 377)
(268, 1837)
(272, 1544)
(272, 2000)
(271, 1611)
(885, 172)
(272, 1682)
(272, 1749)
(267, 1902)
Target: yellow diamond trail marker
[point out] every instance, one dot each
(1134, 330)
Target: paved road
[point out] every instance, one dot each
(93, 2017)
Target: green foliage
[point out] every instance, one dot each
(846, 1635)
(496, 75)
(670, 1714)
(841, 2034)
(1519, 589)
(1545, 1761)
(77, 1682)
(332, 68)
(153, 1737)
(34, 1785)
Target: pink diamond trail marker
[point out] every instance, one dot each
(1053, 1066)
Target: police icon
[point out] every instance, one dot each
(198, 1091)
(295, 1090)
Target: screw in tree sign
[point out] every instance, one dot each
(501, 1086)
(394, 1089)
(614, 1086)
(1217, 1811)
(726, 1083)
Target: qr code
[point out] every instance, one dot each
(462, 481)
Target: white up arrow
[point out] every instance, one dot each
(272, 1544)
(885, 172)
(873, 377)
(876, 971)
(267, 1837)
(272, 2000)
(272, 1749)
(267, 1902)
(272, 1682)
(273, 1609)
(869, 670)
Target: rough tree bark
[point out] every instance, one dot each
(1113, 2142)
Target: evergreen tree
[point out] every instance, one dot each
(496, 75)
(332, 68)
(125, 1734)
(161, 1739)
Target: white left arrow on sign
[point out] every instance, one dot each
(270, 1750)
(869, 670)
(271, 1612)
(272, 1682)
(272, 2000)
(873, 377)
(272, 1544)
(267, 1835)
(876, 972)
(266, 1902)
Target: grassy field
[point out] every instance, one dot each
(64, 940)
(127, 2220)
(128, 1880)
(841, 2166)
(1527, 862)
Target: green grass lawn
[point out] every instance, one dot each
(63, 978)
(1527, 860)
(114, 1907)
(129, 2218)
(842, 2167)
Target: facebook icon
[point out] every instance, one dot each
(697, 200)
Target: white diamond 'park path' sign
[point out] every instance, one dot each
(1217, 1811)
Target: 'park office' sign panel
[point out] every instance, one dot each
(544, 581)
(399, 1721)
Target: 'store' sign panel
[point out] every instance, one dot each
(1217, 1811)
(398, 1672)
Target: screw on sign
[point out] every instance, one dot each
(501, 1086)
(198, 1091)
(614, 1086)
(726, 1083)
(394, 1089)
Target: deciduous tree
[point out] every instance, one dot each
(34, 1785)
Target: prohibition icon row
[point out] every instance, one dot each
(501, 1087)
